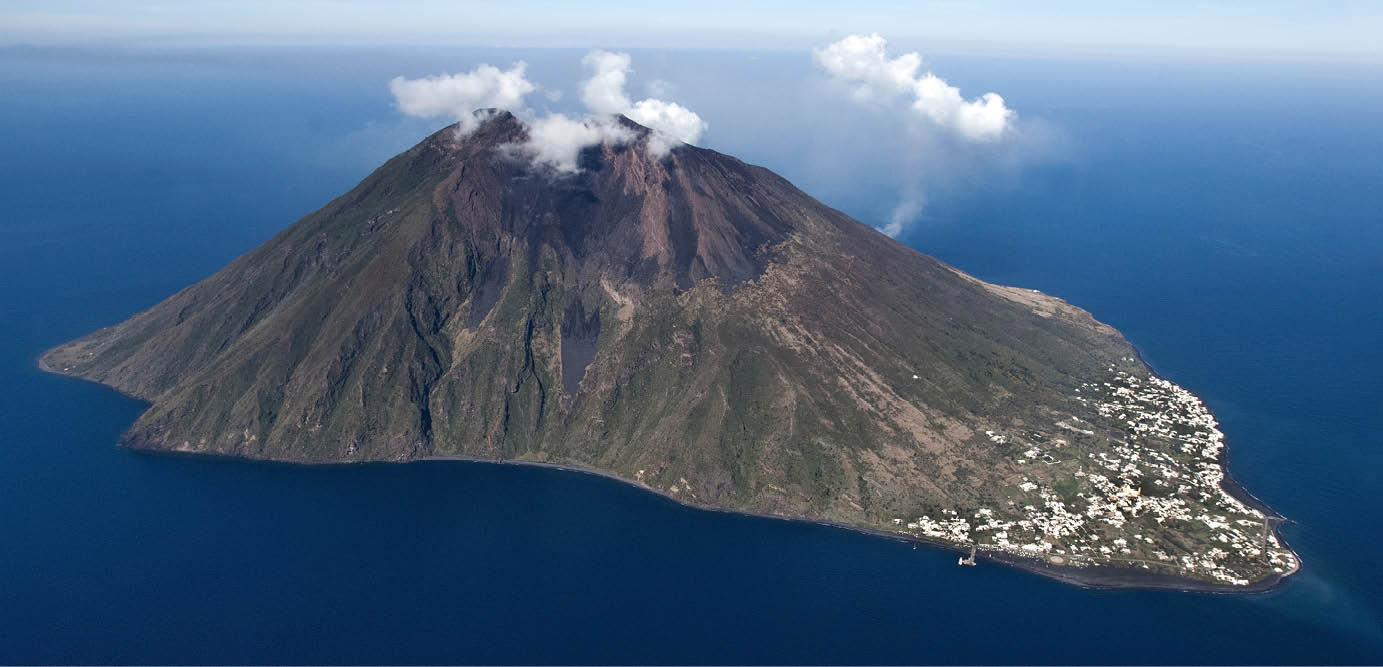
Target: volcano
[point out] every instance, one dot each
(700, 327)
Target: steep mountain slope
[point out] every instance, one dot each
(693, 324)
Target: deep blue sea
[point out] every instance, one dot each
(1226, 215)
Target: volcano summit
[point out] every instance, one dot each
(698, 326)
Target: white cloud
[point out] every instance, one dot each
(862, 61)
(557, 140)
(604, 93)
(931, 136)
(673, 123)
(458, 96)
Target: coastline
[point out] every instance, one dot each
(1092, 577)
(1232, 486)
(1095, 577)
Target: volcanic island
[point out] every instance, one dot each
(675, 318)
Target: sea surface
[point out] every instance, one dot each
(1226, 216)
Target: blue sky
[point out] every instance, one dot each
(1263, 28)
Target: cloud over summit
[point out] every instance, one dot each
(604, 93)
(458, 96)
(555, 139)
(922, 135)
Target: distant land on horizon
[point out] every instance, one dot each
(700, 327)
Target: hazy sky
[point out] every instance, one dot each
(1275, 28)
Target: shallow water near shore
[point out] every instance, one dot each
(1241, 252)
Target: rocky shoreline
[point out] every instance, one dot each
(1089, 577)
(1237, 490)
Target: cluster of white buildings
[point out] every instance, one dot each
(1152, 500)
(949, 526)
